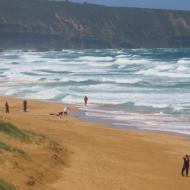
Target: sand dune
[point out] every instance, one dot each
(92, 157)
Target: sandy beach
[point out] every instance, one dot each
(91, 157)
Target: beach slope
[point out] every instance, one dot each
(90, 157)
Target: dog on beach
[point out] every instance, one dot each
(59, 114)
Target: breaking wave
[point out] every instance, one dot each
(129, 82)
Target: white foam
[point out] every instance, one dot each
(128, 61)
(9, 92)
(113, 79)
(120, 80)
(164, 67)
(182, 68)
(184, 61)
(160, 73)
(45, 94)
(96, 59)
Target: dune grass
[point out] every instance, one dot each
(8, 148)
(10, 131)
(14, 132)
(26, 136)
(6, 186)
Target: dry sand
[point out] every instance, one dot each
(96, 158)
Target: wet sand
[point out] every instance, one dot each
(100, 158)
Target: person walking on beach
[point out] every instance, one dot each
(65, 111)
(185, 168)
(85, 100)
(25, 107)
(7, 107)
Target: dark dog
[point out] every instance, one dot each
(59, 114)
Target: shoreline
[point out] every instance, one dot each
(78, 113)
(108, 123)
(95, 156)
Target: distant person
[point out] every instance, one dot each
(25, 106)
(185, 168)
(85, 100)
(7, 108)
(65, 111)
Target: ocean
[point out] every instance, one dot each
(145, 89)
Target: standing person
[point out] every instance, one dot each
(85, 100)
(25, 108)
(65, 111)
(185, 168)
(7, 107)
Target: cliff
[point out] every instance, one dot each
(45, 24)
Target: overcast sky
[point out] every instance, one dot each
(163, 4)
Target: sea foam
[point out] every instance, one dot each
(131, 87)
